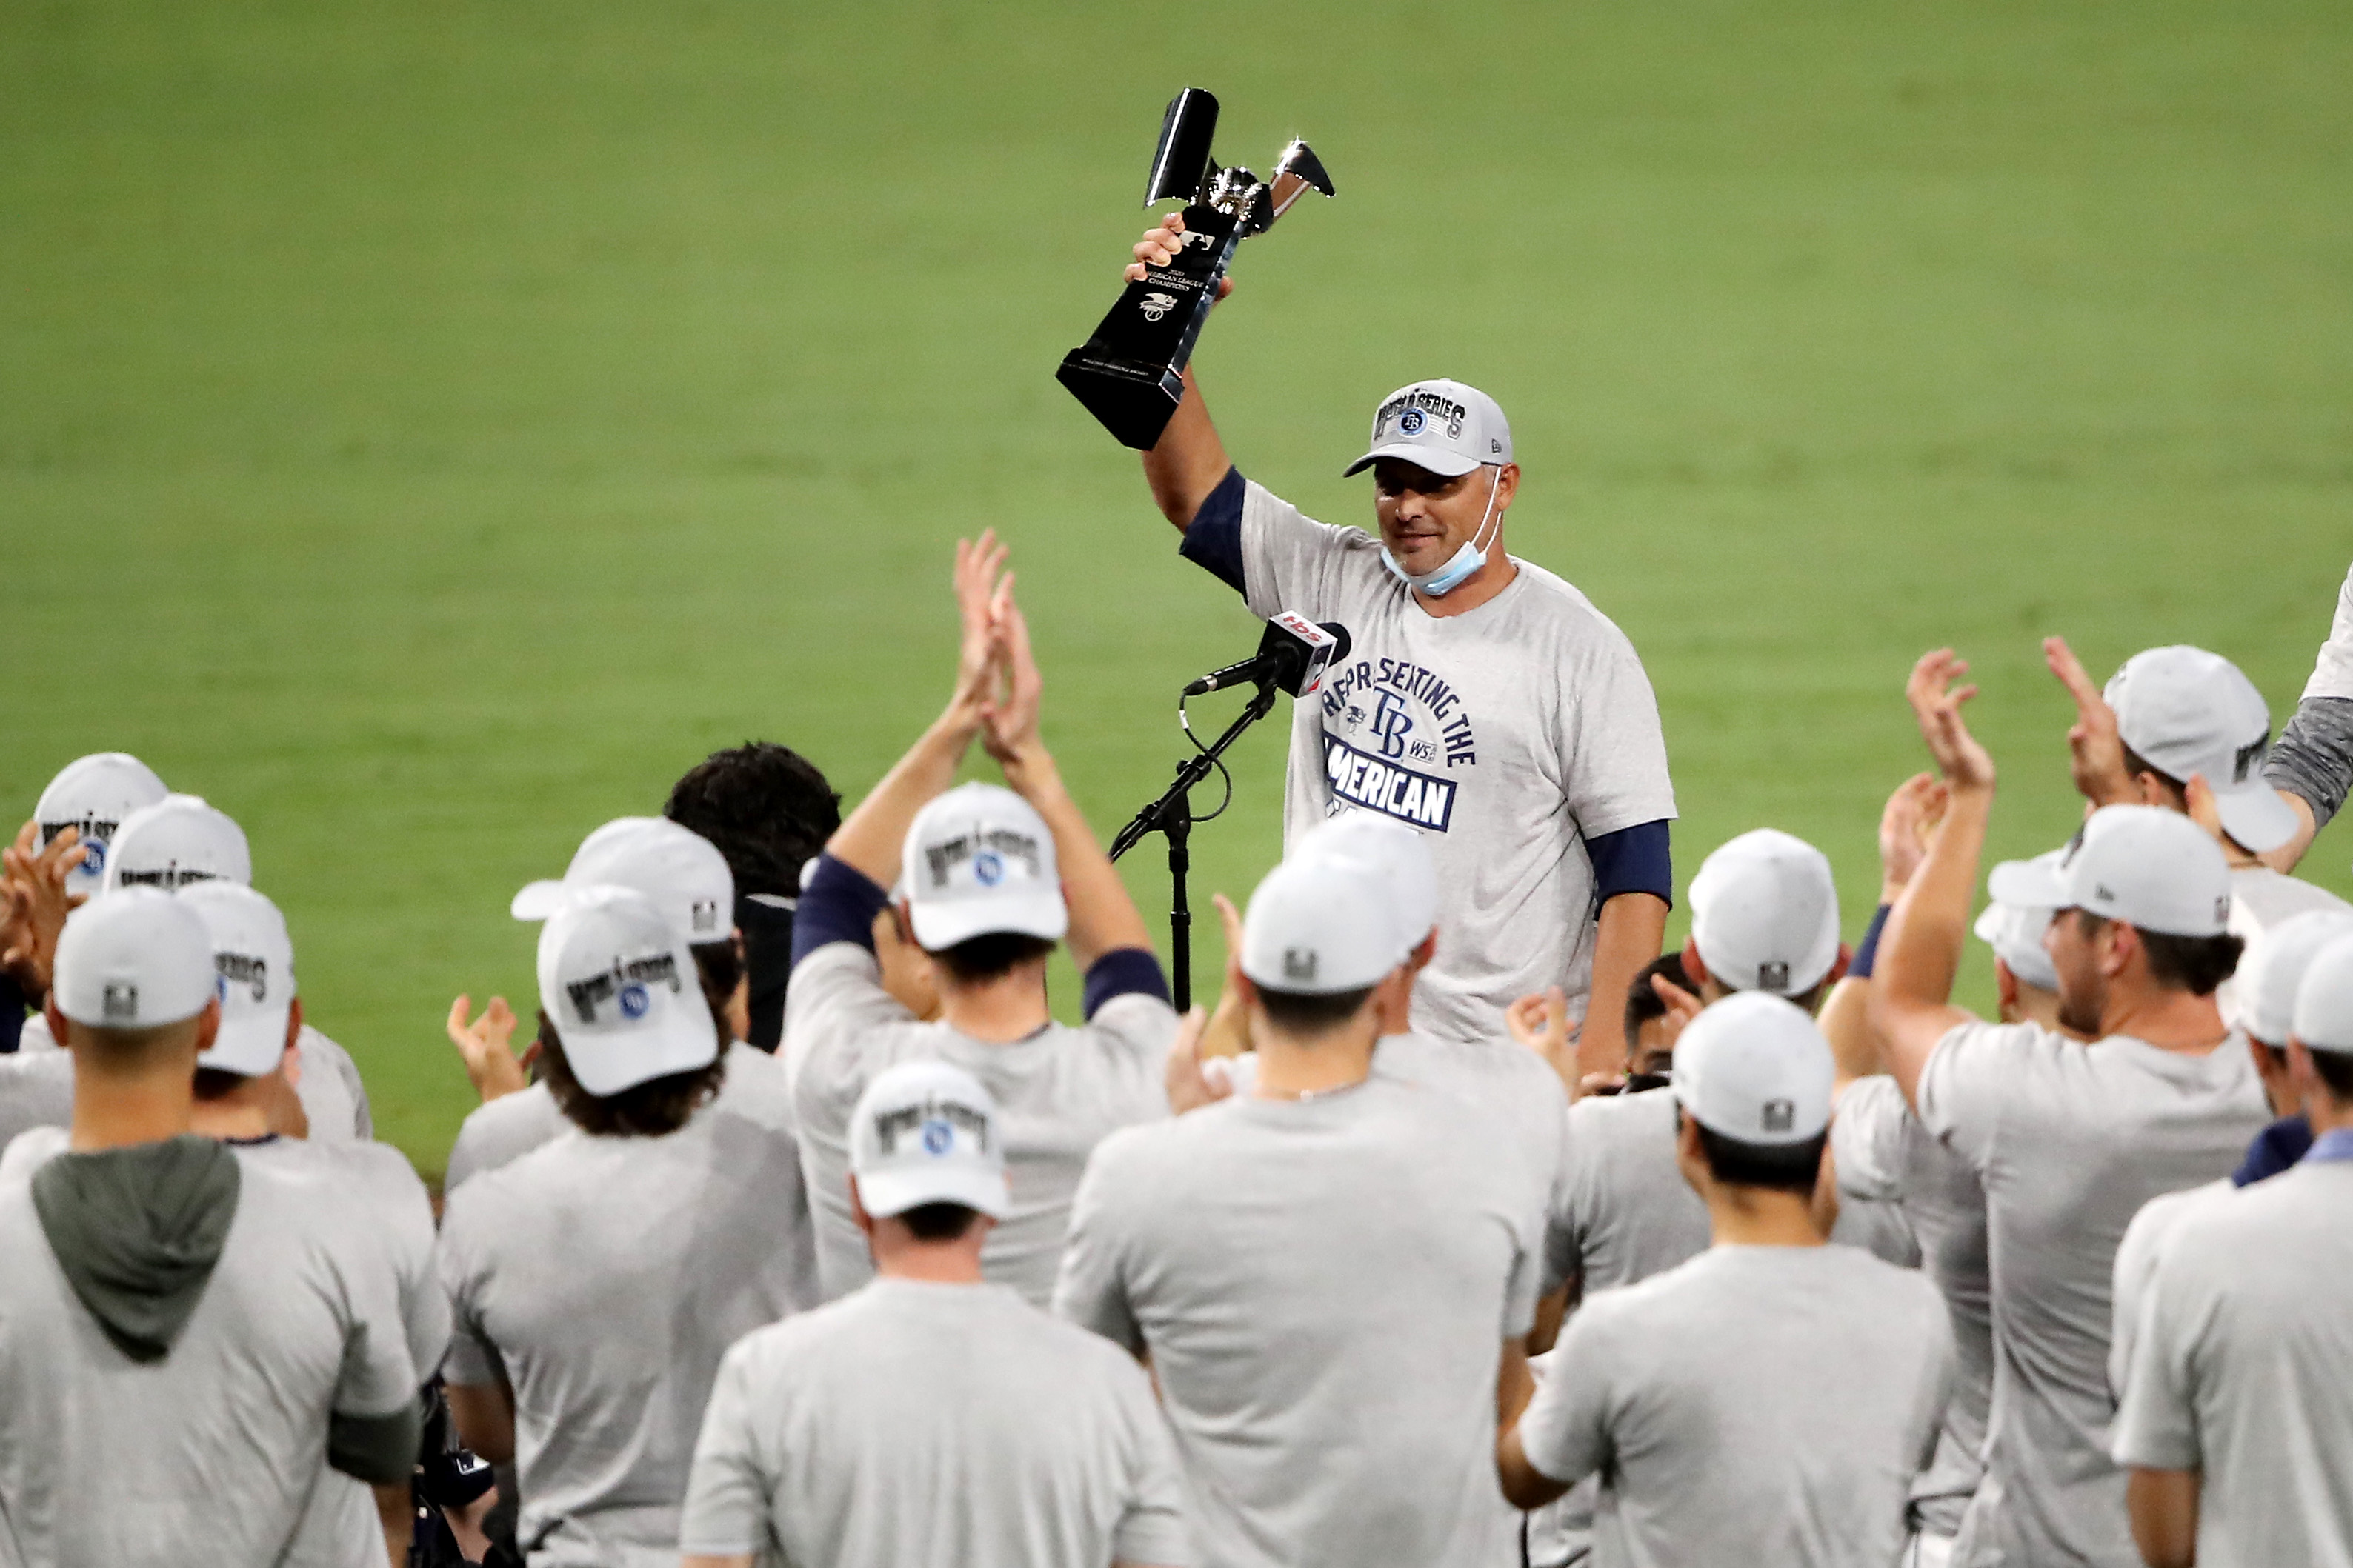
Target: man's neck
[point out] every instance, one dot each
(2326, 1113)
(1010, 1007)
(113, 1110)
(1760, 1216)
(2170, 1020)
(1481, 586)
(1292, 1067)
(942, 1263)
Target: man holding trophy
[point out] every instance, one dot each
(1486, 702)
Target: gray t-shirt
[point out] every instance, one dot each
(605, 1277)
(1324, 1287)
(2136, 1268)
(1767, 1405)
(36, 1090)
(1516, 1087)
(208, 1455)
(333, 1099)
(2070, 1141)
(340, 1524)
(913, 1424)
(2244, 1374)
(1628, 1211)
(1508, 736)
(2261, 899)
(1884, 1153)
(1059, 1093)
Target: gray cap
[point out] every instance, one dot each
(1442, 425)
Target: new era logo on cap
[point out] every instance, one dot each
(120, 1002)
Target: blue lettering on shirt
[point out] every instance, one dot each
(1384, 786)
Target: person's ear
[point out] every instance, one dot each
(2120, 944)
(290, 1061)
(1507, 485)
(2302, 1078)
(1392, 1002)
(857, 1210)
(1424, 951)
(1695, 967)
(2005, 985)
(1838, 966)
(208, 1025)
(57, 1020)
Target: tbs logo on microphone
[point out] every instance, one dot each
(1321, 648)
(1292, 656)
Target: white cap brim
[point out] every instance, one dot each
(2029, 884)
(2253, 815)
(539, 901)
(1437, 460)
(248, 1043)
(949, 922)
(883, 1193)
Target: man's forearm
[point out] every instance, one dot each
(872, 838)
(398, 1515)
(1189, 460)
(1103, 917)
(1920, 948)
(1631, 928)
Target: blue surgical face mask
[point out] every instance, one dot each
(1465, 560)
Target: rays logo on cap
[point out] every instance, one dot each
(1410, 422)
(988, 868)
(94, 859)
(635, 1000)
(938, 1136)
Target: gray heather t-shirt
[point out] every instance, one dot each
(1514, 1087)
(2261, 899)
(2136, 1269)
(333, 1099)
(340, 1523)
(1629, 1213)
(605, 1277)
(1509, 735)
(2070, 1141)
(1883, 1152)
(1324, 1286)
(1765, 1404)
(2244, 1374)
(36, 1090)
(1058, 1093)
(914, 1424)
(207, 1456)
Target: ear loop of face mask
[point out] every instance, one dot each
(1466, 560)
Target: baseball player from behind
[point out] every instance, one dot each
(1486, 703)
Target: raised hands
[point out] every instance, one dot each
(1936, 703)
(2096, 752)
(34, 904)
(1904, 828)
(484, 1044)
(984, 590)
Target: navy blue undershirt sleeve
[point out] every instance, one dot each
(1213, 540)
(839, 905)
(1632, 860)
(1123, 972)
(12, 1015)
(2276, 1149)
(1866, 952)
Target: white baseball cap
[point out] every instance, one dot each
(2184, 710)
(681, 870)
(1754, 1067)
(92, 796)
(253, 962)
(615, 976)
(2142, 865)
(137, 959)
(1441, 425)
(177, 841)
(925, 1133)
(1397, 855)
(2014, 931)
(2324, 1000)
(2273, 972)
(1765, 913)
(980, 860)
(1319, 927)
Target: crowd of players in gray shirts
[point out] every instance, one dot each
(802, 1233)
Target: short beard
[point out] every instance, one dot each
(2079, 1016)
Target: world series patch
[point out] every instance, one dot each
(1411, 797)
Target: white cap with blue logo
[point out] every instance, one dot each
(253, 961)
(175, 843)
(925, 1133)
(94, 796)
(980, 860)
(1442, 425)
(615, 976)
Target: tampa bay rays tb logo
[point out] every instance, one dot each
(1391, 724)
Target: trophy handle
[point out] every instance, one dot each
(1180, 164)
(1130, 373)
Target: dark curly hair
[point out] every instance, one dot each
(653, 1108)
(767, 808)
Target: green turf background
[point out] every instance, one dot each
(427, 427)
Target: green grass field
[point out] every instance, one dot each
(426, 429)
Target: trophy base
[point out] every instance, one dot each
(1134, 402)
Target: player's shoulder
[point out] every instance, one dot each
(29, 1151)
(1602, 1121)
(1559, 607)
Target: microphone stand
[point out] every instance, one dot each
(1172, 815)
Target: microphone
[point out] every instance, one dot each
(1292, 655)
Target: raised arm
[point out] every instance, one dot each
(1911, 997)
(1103, 919)
(1905, 825)
(869, 841)
(1189, 459)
